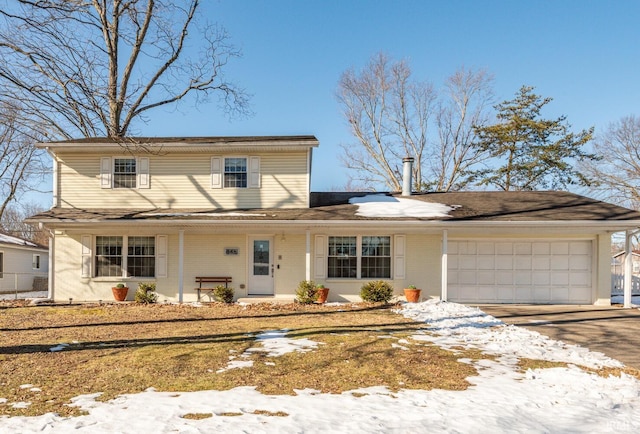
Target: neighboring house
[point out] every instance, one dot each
(172, 209)
(617, 272)
(617, 262)
(23, 265)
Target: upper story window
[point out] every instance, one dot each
(124, 173)
(235, 172)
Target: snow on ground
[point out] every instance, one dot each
(23, 295)
(500, 399)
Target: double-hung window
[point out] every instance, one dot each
(235, 172)
(111, 261)
(124, 173)
(359, 257)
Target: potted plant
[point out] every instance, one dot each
(323, 293)
(120, 291)
(412, 294)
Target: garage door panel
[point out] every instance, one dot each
(522, 278)
(560, 262)
(556, 271)
(582, 262)
(541, 263)
(486, 277)
(486, 263)
(504, 262)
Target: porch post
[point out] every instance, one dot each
(628, 269)
(180, 265)
(308, 256)
(445, 266)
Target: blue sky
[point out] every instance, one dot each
(584, 54)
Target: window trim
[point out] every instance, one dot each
(246, 172)
(124, 269)
(359, 256)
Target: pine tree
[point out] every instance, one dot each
(528, 152)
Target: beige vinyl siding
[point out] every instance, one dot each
(184, 181)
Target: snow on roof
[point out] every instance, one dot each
(381, 205)
(8, 239)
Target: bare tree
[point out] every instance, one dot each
(22, 167)
(467, 98)
(388, 115)
(391, 115)
(94, 67)
(12, 223)
(617, 169)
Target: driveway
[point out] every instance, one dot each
(613, 330)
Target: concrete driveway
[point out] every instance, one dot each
(613, 330)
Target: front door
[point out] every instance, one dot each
(261, 266)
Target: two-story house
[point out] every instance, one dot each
(167, 210)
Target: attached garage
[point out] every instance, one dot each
(521, 271)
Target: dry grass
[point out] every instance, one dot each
(122, 348)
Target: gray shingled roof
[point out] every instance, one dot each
(550, 206)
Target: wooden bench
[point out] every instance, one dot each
(208, 280)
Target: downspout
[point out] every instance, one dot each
(180, 265)
(52, 263)
(308, 256)
(54, 183)
(445, 265)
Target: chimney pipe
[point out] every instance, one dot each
(407, 174)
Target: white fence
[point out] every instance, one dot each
(617, 284)
(11, 283)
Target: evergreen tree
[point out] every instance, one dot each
(528, 152)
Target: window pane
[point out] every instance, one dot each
(235, 172)
(141, 261)
(108, 256)
(342, 260)
(376, 257)
(124, 173)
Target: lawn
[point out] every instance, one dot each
(50, 354)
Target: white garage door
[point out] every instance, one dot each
(520, 271)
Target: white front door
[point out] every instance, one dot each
(260, 266)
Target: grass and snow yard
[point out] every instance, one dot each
(436, 367)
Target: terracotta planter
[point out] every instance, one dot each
(323, 293)
(412, 295)
(120, 294)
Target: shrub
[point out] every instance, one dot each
(307, 292)
(146, 293)
(223, 294)
(376, 291)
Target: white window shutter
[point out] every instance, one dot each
(142, 169)
(320, 257)
(85, 240)
(216, 172)
(399, 247)
(105, 172)
(254, 172)
(161, 255)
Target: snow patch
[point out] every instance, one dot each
(380, 205)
